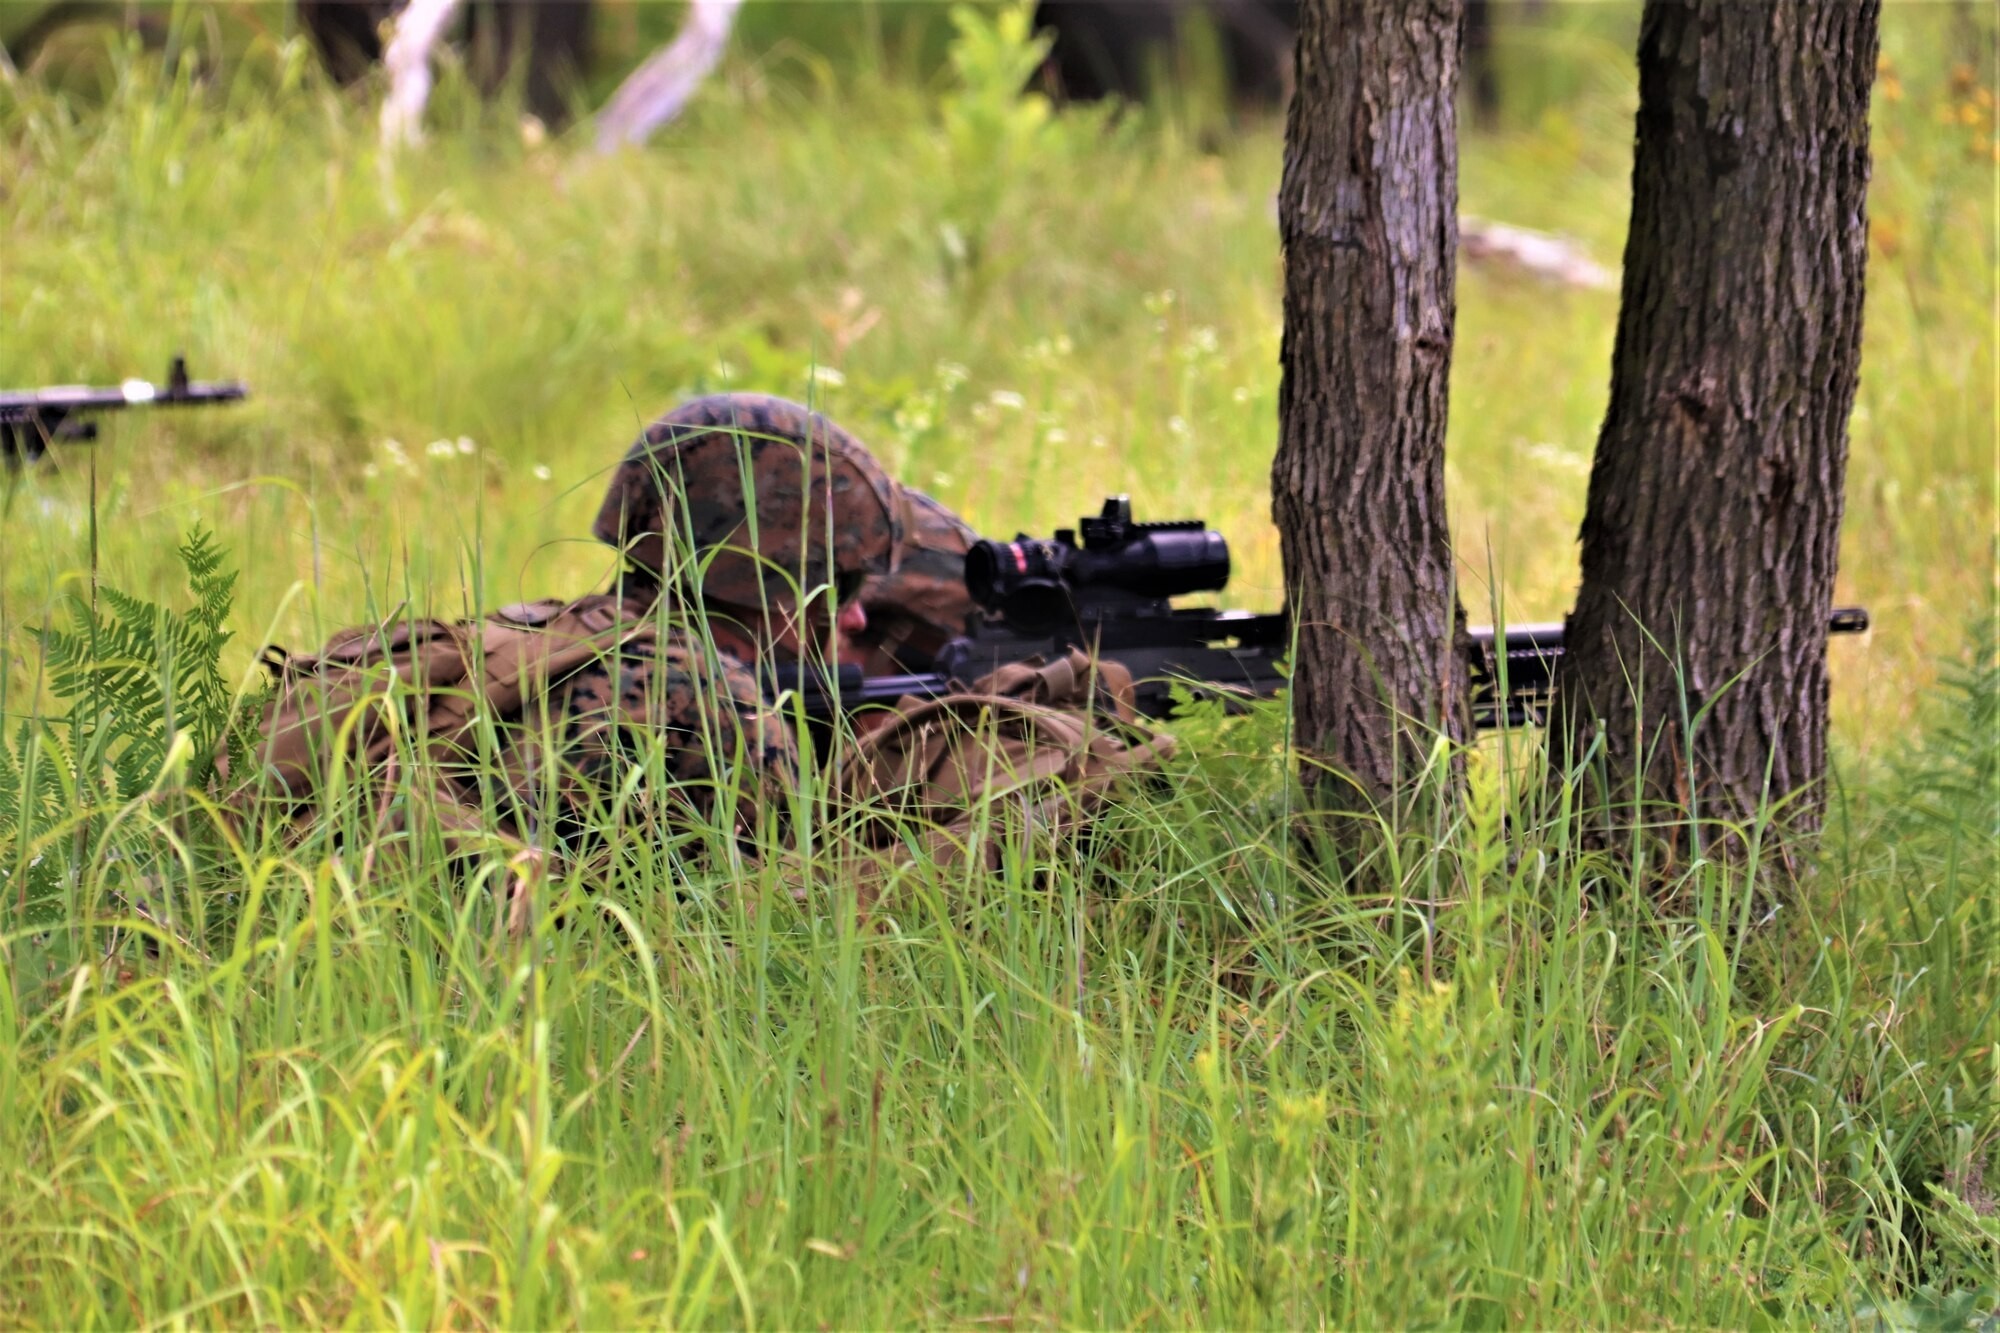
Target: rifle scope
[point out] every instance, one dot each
(1035, 584)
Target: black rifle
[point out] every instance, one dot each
(33, 419)
(1105, 587)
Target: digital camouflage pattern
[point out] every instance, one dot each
(575, 694)
(771, 487)
(922, 604)
(537, 716)
(657, 699)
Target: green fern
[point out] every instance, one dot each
(38, 804)
(138, 677)
(37, 776)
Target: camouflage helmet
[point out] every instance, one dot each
(817, 489)
(924, 602)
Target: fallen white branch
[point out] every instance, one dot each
(1548, 256)
(654, 93)
(408, 59)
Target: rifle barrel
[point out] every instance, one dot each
(1518, 681)
(32, 419)
(1512, 687)
(19, 407)
(1110, 594)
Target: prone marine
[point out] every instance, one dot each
(753, 532)
(712, 583)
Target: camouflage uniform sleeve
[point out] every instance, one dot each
(767, 753)
(696, 723)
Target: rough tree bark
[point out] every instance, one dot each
(1368, 215)
(1713, 519)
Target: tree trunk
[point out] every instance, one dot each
(1697, 648)
(1368, 215)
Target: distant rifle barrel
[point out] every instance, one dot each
(33, 419)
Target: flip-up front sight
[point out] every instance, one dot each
(1117, 564)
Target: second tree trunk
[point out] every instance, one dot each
(1368, 216)
(1697, 649)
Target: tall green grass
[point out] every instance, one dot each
(1183, 1072)
(1179, 1072)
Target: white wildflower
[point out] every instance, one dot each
(1056, 435)
(1177, 426)
(542, 472)
(466, 445)
(951, 374)
(1048, 351)
(826, 377)
(1007, 400)
(440, 449)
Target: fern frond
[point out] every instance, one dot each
(15, 798)
(199, 554)
(138, 675)
(36, 776)
(214, 587)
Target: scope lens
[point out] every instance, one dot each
(983, 565)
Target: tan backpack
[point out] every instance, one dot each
(1045, 744)
(427, 680)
